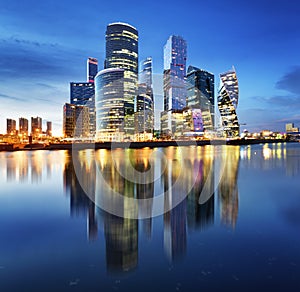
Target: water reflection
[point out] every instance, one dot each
(170, 177)
(228, 190)
(269, 156)
(80, 203)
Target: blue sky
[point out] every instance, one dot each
(44, 46)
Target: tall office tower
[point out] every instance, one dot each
(122, 52)
(83, 93)
(76, 121)
(146, 72)
(36, 126)
(11, 127)
(144, 104)
(201, 95)
(49, 129)
(175, 54)
(143, 117)
(23, 126)
(227, 103)
(92, 69)
(109, 89)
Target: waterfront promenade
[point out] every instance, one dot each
(136, 145)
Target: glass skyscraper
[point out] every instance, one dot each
(144, 122)
(83, 93)
(76, 121)
(122, 52)
(144, 105)
(109, 89)
(227, 103)
(146, 72)
(92, 69)
(201, 95)
(175, 54)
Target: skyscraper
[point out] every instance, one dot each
(109, 88)
(146, 72)
(122, 52)
(175, 54)
(144, 105)
(36, 126)
(49, 129)
(92, 69)
(201, 95)
(227, 103)
(76, 121)
(11, 127)
(83, 93)
(143, 117)
(23, 126)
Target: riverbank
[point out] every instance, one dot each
(138, 145)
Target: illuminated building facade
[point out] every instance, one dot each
(175, 54)
(36, 126)
(76, 121)
(172, 123)
(201, 95)
(143, 117)
(83, 93)
(227, 103)
(289, 128)
(122, 53)
(49, 129)
(23, 126)
(110, 104)
(92, 69)
(11, 127)
(144, 104)
(192, 122)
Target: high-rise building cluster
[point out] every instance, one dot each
(116, 103)
(24, 133)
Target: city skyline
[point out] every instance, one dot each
(47, 56)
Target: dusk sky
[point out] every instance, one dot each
(44, 46)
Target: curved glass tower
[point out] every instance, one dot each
(109, 92)
(227, 103)
(122, 52)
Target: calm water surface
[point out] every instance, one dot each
(243, 234)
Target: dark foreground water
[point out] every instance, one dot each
(231, 219)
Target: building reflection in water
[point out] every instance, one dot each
(175, 218)
(196, 174)
(184, 171)
(228, 190)
(121, 233)
(76, 182)
(201, 216)
(144, 187)
(28, 166)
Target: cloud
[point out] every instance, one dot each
(22, 59)
(279, 102)
(290, 81)
(5, 96)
